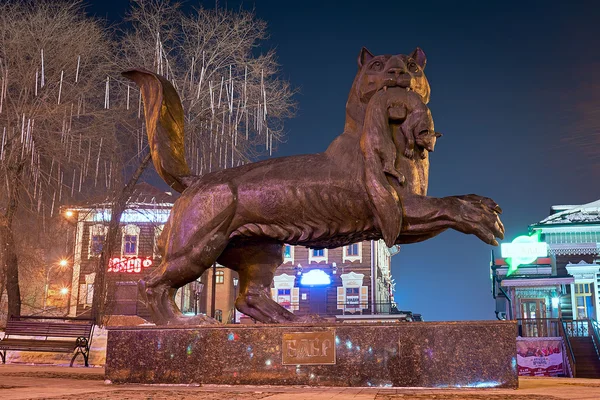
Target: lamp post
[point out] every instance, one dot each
(197, 295)
(235, 285)
(62, 263)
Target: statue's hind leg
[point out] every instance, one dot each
(191, 242)
(160, 288)
(256, 263)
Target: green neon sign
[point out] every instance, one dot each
(523, 250)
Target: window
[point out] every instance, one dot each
(97, 236)
(352, 250)
(130, 246)
(220, 277)
(583, 300)
(285, 293)
(130, 240)
(352, 298)
(352, 253)
(288, 254)
(96, 245)
(284, 298)
(86, 294)
(317, 255)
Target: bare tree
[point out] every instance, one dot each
(56, 134)
(71, 128)
(235, 103)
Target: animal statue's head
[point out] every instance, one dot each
(380, 72)
(389, 94)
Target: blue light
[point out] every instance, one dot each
(348, 344)
(230, 337)
(315, 277)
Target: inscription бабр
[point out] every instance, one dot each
(308, 348)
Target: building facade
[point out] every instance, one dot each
(136, 255)
(564, 280)
(549, 282)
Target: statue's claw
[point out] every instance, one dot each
(479, 216)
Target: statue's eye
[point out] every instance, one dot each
(377, 66)
(412, 66)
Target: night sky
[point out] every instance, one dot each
(515, 91)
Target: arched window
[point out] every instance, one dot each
(220, 277)
(130, 240)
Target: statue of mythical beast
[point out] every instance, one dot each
(366, 185)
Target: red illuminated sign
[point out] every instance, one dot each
(129, 264)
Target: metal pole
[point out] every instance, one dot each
(214, 288)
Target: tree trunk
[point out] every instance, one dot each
(10, 261)
(99, 301)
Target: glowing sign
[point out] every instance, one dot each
(315, 277)
(129, 264)
(523, 250)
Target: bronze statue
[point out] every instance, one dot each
(366, 185)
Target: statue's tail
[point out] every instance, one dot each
(164, 125)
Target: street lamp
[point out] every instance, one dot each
(197, 295)
(235, 285)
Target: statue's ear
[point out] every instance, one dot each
(419, 56)
(364, 57)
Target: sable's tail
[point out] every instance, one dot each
(164, 125)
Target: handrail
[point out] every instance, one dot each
(570, 354)
(594, 329)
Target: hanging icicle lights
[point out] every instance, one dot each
(228, 118)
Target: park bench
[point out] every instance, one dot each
(48, 335)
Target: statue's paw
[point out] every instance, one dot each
(477, 199)
(409, 153)
(479, 216)
(311, 319)
(397, 112)
(396, 174)
(199, 319)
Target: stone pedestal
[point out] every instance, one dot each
(417, 354)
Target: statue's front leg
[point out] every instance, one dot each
(426, 217)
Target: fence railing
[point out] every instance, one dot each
(595, 330)
(538, 327)
(577, 327)
(571, 365)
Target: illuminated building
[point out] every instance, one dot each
(135, 255)
(564, 281)
(549, 281)
(350, 280)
